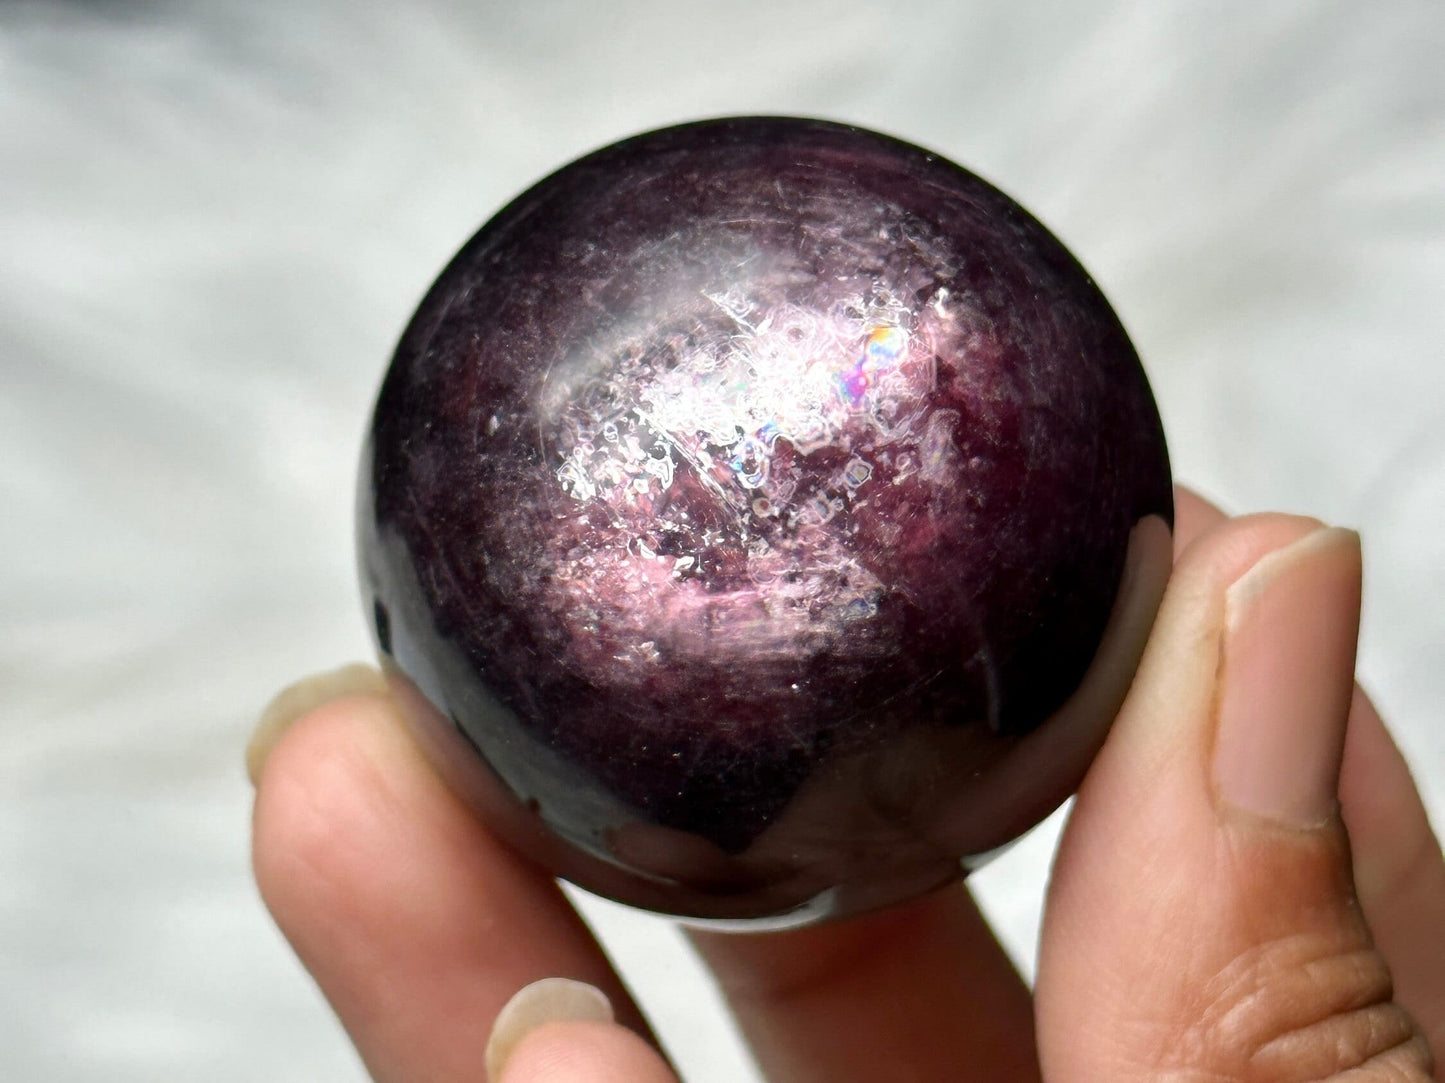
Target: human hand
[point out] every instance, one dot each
(1248, 888)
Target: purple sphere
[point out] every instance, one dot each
(762, 519)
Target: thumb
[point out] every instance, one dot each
(1202, 920)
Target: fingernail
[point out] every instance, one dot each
(551, 1000)
(301, 698)
(1291, 624)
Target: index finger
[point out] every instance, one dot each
(416, 923)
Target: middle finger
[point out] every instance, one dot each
(918, 992)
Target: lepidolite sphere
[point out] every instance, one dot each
(762, 519)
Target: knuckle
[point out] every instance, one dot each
(1373, 1041)
(1298, 1011)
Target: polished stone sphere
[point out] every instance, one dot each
(761, 521)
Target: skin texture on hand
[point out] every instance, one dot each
(1201, 925)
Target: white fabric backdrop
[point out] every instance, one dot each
(215, 220)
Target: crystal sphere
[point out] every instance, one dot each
(761, 521)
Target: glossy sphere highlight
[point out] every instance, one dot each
(742, 514)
